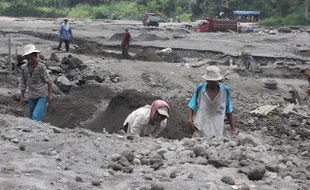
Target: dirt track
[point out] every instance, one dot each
(152, 76)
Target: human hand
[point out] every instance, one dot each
(126, 47)
(22, 101)
(50, 97)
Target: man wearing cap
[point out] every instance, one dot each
(65, 33)
(125, 43)
(35, 77)
(306, 72)
(148, 120)
(210, 103)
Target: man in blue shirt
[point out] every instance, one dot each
(65, 33)
(210, 103)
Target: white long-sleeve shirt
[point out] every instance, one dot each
(139, 123)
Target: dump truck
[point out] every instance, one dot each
(213, 25)
(150, 19)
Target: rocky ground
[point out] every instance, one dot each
(95, 89)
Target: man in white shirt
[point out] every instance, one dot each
(149, 120)
(210, 103)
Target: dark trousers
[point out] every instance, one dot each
(125, 53)
(67, 42)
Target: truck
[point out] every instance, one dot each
(213, 25)
(150, 19)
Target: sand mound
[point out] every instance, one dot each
(147, 55)
(129, 100)
(150, 37)
(304, 52)
(173, 57)
(93, 49)
(116, 37)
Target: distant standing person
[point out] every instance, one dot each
(125, 43)
(34, 76)
(210, 103)
(306, 72)
(65, 33)
(148, 120)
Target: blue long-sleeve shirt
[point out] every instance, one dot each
(63, 33)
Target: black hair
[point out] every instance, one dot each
(303, 70)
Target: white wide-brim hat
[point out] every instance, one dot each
(213, 73)
(29, 49)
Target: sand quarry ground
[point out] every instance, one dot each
(73, 157)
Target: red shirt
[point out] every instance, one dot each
(126, 39)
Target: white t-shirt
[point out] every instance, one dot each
(209, 115)
(139, 123)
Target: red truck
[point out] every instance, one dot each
(213, 25)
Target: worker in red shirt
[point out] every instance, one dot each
(306, 72)
(125, 43)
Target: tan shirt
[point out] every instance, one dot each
(35, 81)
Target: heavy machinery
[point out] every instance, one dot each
(149, 19)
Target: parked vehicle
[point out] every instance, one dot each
(213, 25)
(149, 19)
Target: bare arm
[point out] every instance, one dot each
(22, 85)
(158, 128)
(190, 114)
(190, 121)
(50, 91)
(22, 97)
(231, 123)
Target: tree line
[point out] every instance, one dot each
(117, 9)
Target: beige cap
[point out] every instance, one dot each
(29, 49)
(163, 111)
(213, 74)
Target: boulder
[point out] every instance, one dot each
(257, 173)
(271, 84)
(201, 161)
(63, 83)
(123, 160)
(115, 166)
(55, 69)
(218, 163)
(156, 186)
(200, 150)
(305, 133)
(94, 77)
(129, 155)
(155, 158)
(71, 62)
(54, 57)
(162, 151)
(128, 169)
(228, 180)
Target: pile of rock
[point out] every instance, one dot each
(71, 71)
(124, 161)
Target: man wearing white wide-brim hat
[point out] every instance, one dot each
(210, 103)
(34, 76)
